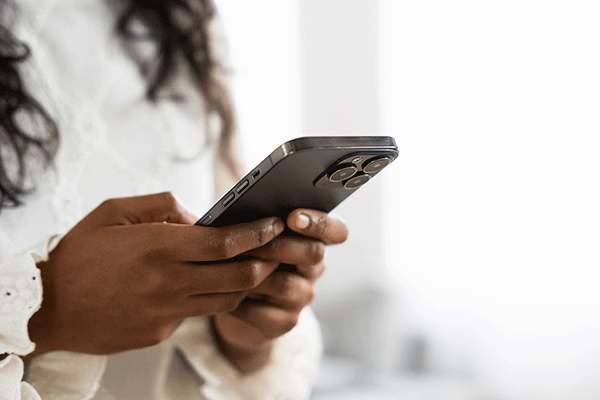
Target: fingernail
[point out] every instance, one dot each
(278, 226)
(303, 221)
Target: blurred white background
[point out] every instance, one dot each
(474, 256)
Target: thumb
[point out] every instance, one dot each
(160, 207)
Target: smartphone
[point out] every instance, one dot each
(308, 172)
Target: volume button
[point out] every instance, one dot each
(228, 199)
(242, 186)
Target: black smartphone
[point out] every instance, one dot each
(308, 172)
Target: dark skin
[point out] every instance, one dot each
(273, 307)
(132, 270)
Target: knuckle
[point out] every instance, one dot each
(222, 246)
(168, 199)
(227, 246)
(313, 271)
(166, 196)
(316, 251)
(249, 274)
(232, 301)
(290, 322)
(286, 284)
(305, 293)
(261, 233)
(320, 270)
(273, 246)
(110, 206)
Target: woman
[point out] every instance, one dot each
(142, 108)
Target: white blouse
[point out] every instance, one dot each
(115, 143)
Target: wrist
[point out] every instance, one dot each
(245, 357)
(39, 333)
(39, 326)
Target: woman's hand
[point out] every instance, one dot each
(134, 268)
(273, 307)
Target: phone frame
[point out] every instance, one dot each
(347, 147)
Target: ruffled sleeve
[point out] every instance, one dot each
(21, 297)
(11, 387)
(56, 375)
(195, 367)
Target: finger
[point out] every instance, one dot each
(207, 304)
(311, 271)
(199, 243)
(248, 335)
(291, 250)
(287, 290)
(224, 277)
(318, 225)
(271, 320)
(161, 207)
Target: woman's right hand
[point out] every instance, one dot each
(134, 268)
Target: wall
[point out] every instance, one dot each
(495, 227)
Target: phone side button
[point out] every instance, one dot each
(206, 220)
(228, 199)
(242, 186)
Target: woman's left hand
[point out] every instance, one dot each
(273, 307)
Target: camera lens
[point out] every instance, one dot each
(376, 164)
(357, 180)
(342, 172)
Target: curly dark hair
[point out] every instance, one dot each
(180, 29)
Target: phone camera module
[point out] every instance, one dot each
(376, 164)
(356, 181)
(342, 172)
